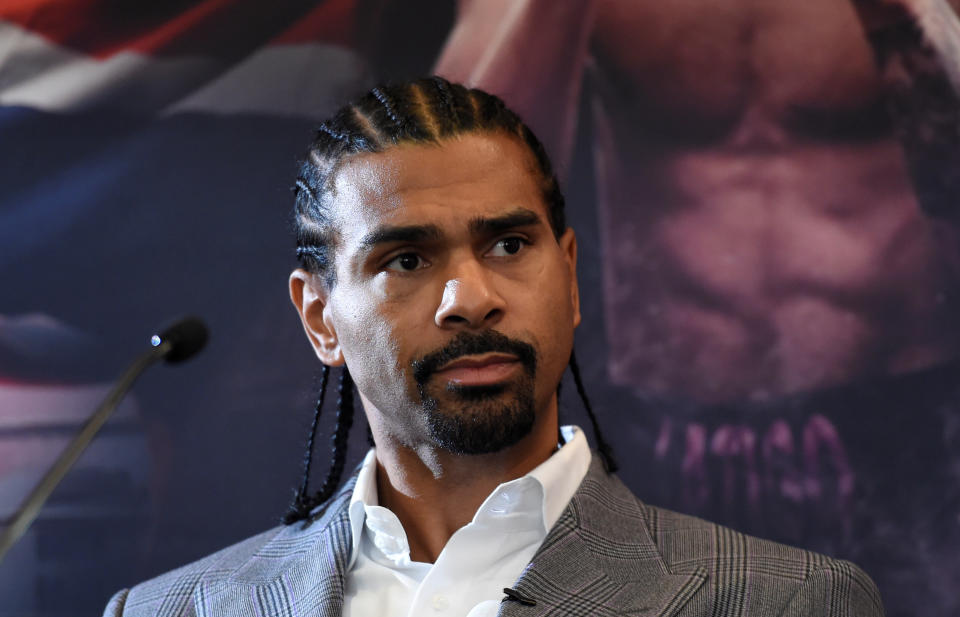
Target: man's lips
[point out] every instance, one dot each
(482, 370)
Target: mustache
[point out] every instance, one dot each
(468, 344)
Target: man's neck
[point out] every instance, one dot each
(434, 493)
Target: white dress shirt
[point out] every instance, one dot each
(480, 559)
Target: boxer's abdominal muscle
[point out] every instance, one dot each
(765, 238)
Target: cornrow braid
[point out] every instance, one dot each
(303, 503)
(387, 103)
(301, 495)
(446, 112)
(603, 448)
(345, 410)
(338, 135)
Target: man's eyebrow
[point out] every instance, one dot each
(399, 233)
(521, 217)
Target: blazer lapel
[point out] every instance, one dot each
(600, 559)
(298, 573)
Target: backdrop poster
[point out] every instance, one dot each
(766, 207)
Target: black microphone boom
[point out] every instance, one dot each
(175, 344)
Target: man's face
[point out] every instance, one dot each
(454, 304)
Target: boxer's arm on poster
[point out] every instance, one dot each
(916, 44)
(532, 53)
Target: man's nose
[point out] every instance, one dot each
(470, 299)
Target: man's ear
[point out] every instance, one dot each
(568, 244)
(309, 297)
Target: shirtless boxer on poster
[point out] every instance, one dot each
(760, 231)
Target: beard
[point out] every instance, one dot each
(478, 419)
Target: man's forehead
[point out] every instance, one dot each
(453, 182)
(364, 178)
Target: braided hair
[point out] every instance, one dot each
(423, 111)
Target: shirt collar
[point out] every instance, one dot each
(558, 478)
(364, 494)
(561, 474)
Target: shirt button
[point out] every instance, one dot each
(440, 603)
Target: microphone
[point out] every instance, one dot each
(182, 340)
(176, 343)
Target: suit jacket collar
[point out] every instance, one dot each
(599, 559)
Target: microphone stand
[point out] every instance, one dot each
(30, 507)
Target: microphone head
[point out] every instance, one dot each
(186, 337)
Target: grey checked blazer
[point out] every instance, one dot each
(609, 554)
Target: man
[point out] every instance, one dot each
(438, 269)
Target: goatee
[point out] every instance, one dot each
(478, 419)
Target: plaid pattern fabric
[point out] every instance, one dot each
(609, 554)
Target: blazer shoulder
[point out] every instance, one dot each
(269, 553)
(842, 586)
(685, 539)
(170, 594)
(802, 582)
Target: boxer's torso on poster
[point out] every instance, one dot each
(764, 234)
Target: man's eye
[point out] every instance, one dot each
(407, 262)
(508, 246)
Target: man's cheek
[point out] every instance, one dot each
(366, 327)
